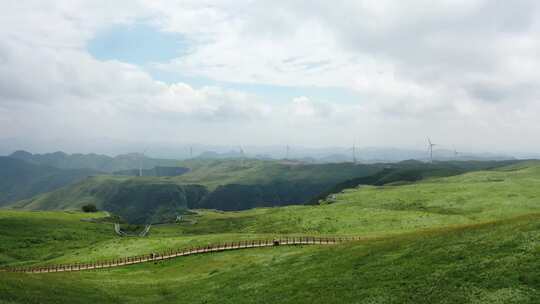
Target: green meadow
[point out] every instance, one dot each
(490, 263)
(438, 202)
(471, 238)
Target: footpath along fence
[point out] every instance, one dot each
(170, 254)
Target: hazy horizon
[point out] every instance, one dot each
(323, 154)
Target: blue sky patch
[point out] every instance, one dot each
(267, 92)
(137, 44)
(141, 44)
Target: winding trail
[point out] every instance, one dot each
(170, 254)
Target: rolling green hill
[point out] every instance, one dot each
(493, 263)
(370, 211)
(137, 200)
(209, 184)
(233, 185)
(20, 180)
(471, 238)
(93, 161)
(437, 202)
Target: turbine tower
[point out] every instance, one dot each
(354, 153)
(242, 156)
(288, 149)
(430, 149)
(141, 161)
(190, 152)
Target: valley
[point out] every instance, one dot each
(232, 185)
(477, 233)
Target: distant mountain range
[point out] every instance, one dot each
(365, 155)
(98, 162)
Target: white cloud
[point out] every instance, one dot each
(303, 107)
(466, 71)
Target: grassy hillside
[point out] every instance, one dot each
(215, 173)
(20, 180)
(472, 198)
(463, 199)
(153, 199)
(138, 200)
(492, 263)
(472, 238)
(413, 171)
(33, 237)
(234, 185)
(48, 237)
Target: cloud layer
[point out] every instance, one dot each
(464, 72)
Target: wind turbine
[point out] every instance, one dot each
(242, 155)
(190, 152)
(354, 153)
(288, 149)
(430, 149)
(141, 161)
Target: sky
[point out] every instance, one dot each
(84, 76)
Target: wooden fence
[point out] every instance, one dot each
(169, 254)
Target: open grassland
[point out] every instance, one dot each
(250, 171)
(233, 185)
(472, 238)
(484, 196)
(226, 185)
(490, 263)
(32, 237)
(48, 237)
(439, 202)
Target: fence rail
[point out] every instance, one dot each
(170, 254)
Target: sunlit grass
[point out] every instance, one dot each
(473, 238)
